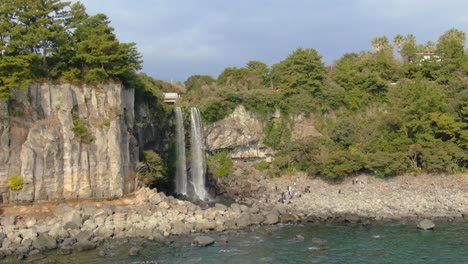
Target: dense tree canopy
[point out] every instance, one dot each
(54, 40)
(377, 113)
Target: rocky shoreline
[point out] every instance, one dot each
(152, 215)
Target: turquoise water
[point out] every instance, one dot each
(323, 243)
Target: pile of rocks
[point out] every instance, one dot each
(152, 215)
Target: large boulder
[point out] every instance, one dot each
(134, 251)
(220, 207)
(426, 224)
(203, 241)
(236, 208)
(272, 218)
(84, 246)
(44, 242)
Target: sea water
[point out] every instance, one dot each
(323, 243)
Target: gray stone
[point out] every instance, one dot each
(280, 209)
(243, 220)
(300, 238)
(254, 209)
(271, 218)
(288, 218)
(41, 229)
(244, 208)
(223, 240)
(221, 207)
(8, 220)
(105, 231)
(44, 242)
(257, 219)
(84, 246)
(236, 208)
(203, 241)
(318, 241)
(426, 224)
(134, 251)
(35, 256)
(84, 235)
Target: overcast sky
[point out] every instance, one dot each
(181, 38)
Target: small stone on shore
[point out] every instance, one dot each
(426, 224)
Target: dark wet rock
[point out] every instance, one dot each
(35, 255)
(68, 242)
(203, 241)
(426, 224)
(300, 238)
(84, 246)
(352, 219)
(103, 253)
(181, 244)
(287, 218)
(2, 237)
(134, 251)
(222, 241)
(65, 250)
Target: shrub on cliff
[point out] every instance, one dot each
(16, 183)
(221, 164)
(80, 128)
(154, 172)
(262, 165)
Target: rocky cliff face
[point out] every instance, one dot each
(240, 134)
(38, 143)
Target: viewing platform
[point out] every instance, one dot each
(171, 98)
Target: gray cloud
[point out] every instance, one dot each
(180, 38)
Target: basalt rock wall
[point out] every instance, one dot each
(40, 141)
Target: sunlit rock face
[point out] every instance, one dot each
(240, 134)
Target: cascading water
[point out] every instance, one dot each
(198, 162)
(181, 166)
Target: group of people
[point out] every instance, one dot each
(288, 196)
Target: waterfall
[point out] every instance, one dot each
(181, 166)
(198, 162)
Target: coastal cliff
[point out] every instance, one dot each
(68, 142)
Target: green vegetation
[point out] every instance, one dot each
(262, 166)
(15, 183)
(155, 172)
(377, 113)
(58, 41)
(220, 164)
(80, 128)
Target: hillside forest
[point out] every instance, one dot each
(400, 108)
